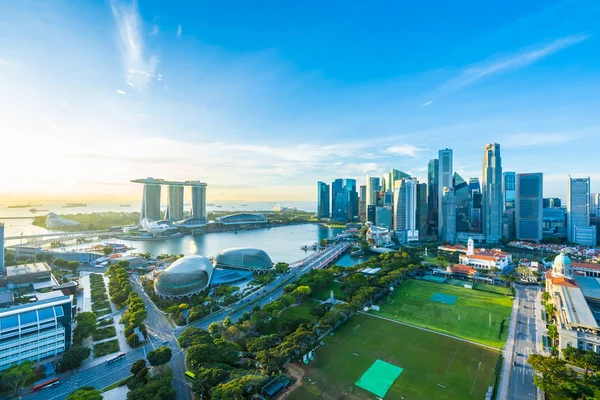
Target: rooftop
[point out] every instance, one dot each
(589, 286)
(153, 181)
(576, 308)
(18, 270)
(462, 269)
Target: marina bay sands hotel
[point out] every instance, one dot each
(151, 200)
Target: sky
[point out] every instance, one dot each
(262, 99)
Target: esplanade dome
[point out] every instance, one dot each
(562, 266)
(244, 258)
(185, 277)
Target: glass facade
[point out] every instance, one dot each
(199, 202)
(461, 191)
(529, 210)
(492, 193)
(432, 196)
(509, 187)
(32, 332)
(185, 277)
(344, 200)
(151, 203)
(322, 200)
(578, 206)
(244, 258)
(175, 206)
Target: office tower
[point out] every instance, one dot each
(344, 200)
(432, 196)
(463, 200)
(372, 190)
(546, 202)
(151, 202)
(199, 201)
(475, 217)
(491, 183)
(444, 181)
(371, 215)
(388, 199)
(337, 196)
(508, 224)
(175, 205)
(405, 211)
(529, 210)
(322, 200)
(508, 190)
(1, 248)
(35, 331)
(555, 202)
(393, 177)
(362, 203)
(383, 217)
(448, 220)
(578, 212)
(422, 210)
(474, 185)
(555, 222)
(595, 204)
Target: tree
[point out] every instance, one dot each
(191, 336)
(546, 296)
(140, 370)
(553, 372)
(227, 321)
(17, 375)
(86, 325)
(73, 357)
(107, 250)
(159, 356)
(301, 293)
(215, 329)
(73, 265)
(133, 340)
(281, 267)
(85, 393)
(208, 378)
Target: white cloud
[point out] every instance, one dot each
(4, 62)
(155, 30)
(129, 84)
(124, 93)
(499, 65)
(427, 103)
(140, 67)
(405, 150)
(179, 31)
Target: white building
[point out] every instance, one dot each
(32, 332)
(380, 236)
(485, 259)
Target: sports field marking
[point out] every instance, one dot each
(374, 333)
(453, 357)
(477, 374)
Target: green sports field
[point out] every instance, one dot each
(468, 318)
(434, 366)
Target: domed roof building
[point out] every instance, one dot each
(244, 258)
(562, 266)
(185, 277)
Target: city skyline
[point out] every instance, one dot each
(152, 91)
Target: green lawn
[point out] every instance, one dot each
(492, 288)
(468, 318)
(104, 348)
(299, 311)
(104, 333)
(325, 293)
(465, 371)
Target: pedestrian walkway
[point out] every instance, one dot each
(540, 326)
(509, 351)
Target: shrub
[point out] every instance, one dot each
(102, 349)
(104, 333)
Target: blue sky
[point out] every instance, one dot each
(262, 99)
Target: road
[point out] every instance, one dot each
(98, 376)
(521, 386)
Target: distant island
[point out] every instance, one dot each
(71, 205)
(94, 221)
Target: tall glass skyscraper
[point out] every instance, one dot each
(529, 210)
(445, 181)
(151, 203)
(509, 190)
(492, 193)
(362, 203)
(422, 210)
(322, 200)
(463, 200)
(175, 205)
(448, 220)
(432, 196)
(405, 211)
(578, 212)
(372, 190)
(199, 202)
(344, 198)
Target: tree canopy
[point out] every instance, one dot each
(159, 356)
(85, 393)
(17, 375)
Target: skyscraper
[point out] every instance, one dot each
(1, 248)
(175, 205)
(476, 202)
(578, 212)
(362, 203)
(383, 217)
(491, 183)
(344, 200)
(432, 196)
(322, 200)
(372, 190)
(474, 185)
(595, 204)
(151, 202)
(445, 181)
(463, 200)
(422, 210)
(448, 220)
(199, 201)
(509, 190)
(405, 211)
(393, 177)
(529, 210)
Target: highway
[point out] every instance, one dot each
(521, 386)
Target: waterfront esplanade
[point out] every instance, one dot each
(151, 199)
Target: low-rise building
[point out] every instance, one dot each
(485, 259)
(26, 274)
(32, 332)
(379, 236)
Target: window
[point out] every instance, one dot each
(46, 313)
(9, 322)
(59, 311)
(28, 317)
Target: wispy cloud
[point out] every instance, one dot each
(405, 150)
(124, 93)
(140, 67)
(179, 31)
(427, 103)
(155, 30)
(510, 62)
(539, 139)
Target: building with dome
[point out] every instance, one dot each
(245, 258)
(576, 297)
(186, 277)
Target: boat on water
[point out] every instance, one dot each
(71, 205)
(124, 205)
(35, 210)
